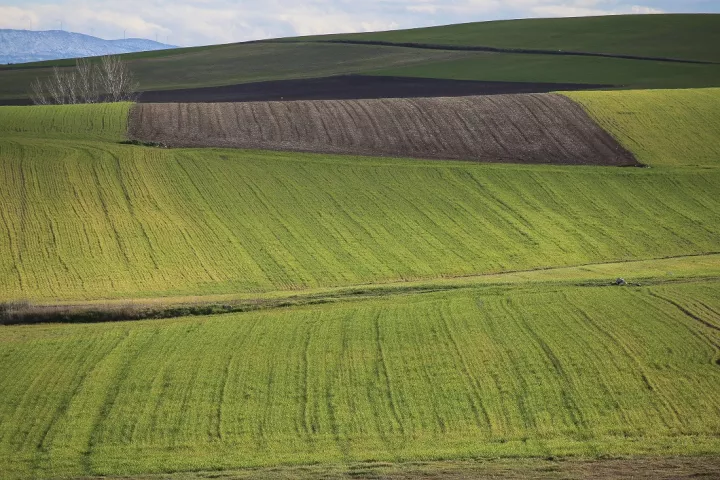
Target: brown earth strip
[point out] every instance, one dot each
(532, 128)
(639, 468)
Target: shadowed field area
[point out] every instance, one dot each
(502, 128)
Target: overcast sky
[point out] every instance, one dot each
(202, 22)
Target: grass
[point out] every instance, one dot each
(100, 122)
(110, 220)
(521, 372)
(689, 37)
(661, 127)
(682, 36)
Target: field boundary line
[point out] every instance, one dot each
(488, 49)
(109, 310)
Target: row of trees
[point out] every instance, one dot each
(110, 80)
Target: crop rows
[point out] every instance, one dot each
(527, 372)
(90, 220)
(502, 128)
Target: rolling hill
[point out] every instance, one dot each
(693, 38)
(194, 221)
(677, 36)
(202, 312)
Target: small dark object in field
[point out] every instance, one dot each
(620, 281)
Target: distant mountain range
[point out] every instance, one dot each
(20, 46)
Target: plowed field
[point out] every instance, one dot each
(505, 128)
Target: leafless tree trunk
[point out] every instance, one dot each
(37, 93)
(56, 87)
(87, 81)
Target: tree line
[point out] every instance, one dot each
(109, 80)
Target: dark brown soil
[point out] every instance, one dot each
(653, 468)
(344, 87)
(532, 128)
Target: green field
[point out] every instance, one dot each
(406, 310)
(492, 372)
(661, 127)
(622, 73)
(691, 37)
(87, 218)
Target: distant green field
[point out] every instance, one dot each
(557, 69)
(689, 37)
(589, 371)
(83, 218)
(661, 127)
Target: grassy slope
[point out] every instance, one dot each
(533, 369)
(689, 37)
(103, 219)
(522, 372)
(661, 127)
(100, 122)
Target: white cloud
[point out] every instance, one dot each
(422, 8)
(196, 22)
(646, 10)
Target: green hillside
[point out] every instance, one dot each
(661, 127)
(104, 219)
(242, 63)
(689, 36)
(680, 36)
(585, 371)
(388, 311)
(623, 73)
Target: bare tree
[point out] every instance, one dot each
(85, 82)
(37, 93)
(117, 80)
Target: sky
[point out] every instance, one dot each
(204, 22)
